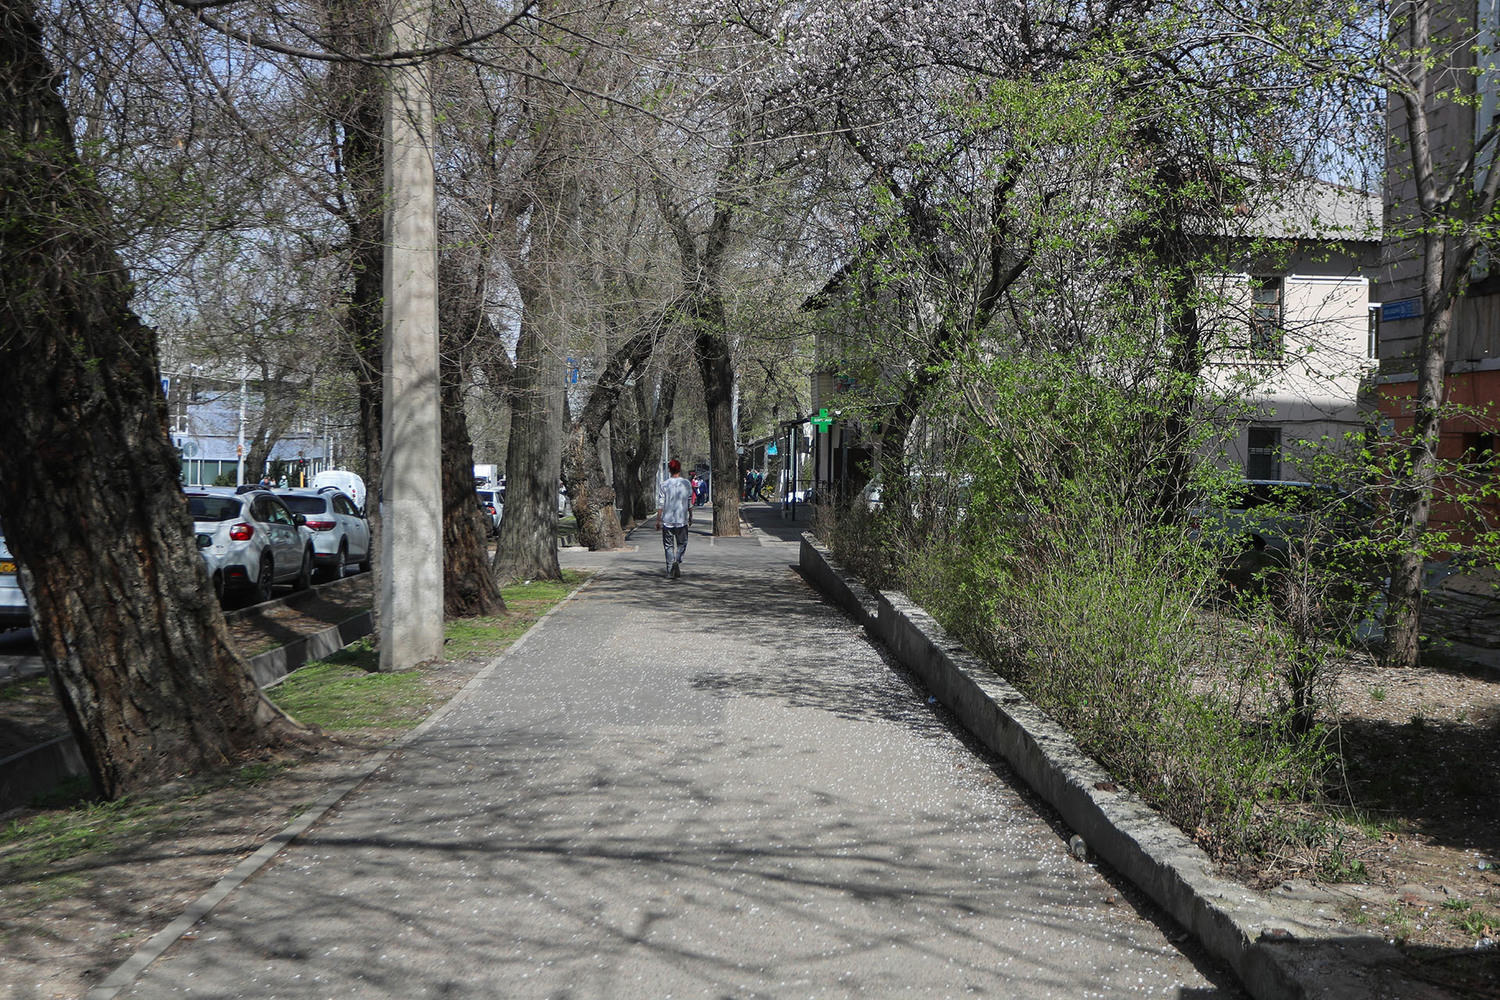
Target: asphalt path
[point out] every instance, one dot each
(714, 787)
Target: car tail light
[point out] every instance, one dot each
(321, 525)
(241, 532)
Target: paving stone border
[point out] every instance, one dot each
(1280, 948)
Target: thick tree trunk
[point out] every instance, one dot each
(623, 431)
(527, 546)
(469, 588)
(127, 622)
(593, 495)
(594, 498)
(656, 417)
(717, 367)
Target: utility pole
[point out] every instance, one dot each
(239, 474)
(411, 551)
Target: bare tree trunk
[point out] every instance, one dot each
(270, 426)
(359, 124)
(717, 367)
(527, 546)
(1413, 495)
(593, 495)
(469, 588)
(594, 499)
(128, 626)
(623, 430)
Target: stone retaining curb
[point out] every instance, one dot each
(1286, 949)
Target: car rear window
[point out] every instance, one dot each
(304, 505)
(214, 508)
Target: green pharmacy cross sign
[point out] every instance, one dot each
(822, 421)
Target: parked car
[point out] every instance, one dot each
(492, 502)
(349, 483)
(340, 533)
(14, 611)
(213, 562)
(1273, 515)
(255, 540)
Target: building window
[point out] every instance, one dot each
(1373, 348)
(1478, 461)
(1263, 460)
(1266, 317)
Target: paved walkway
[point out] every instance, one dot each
(709, 787)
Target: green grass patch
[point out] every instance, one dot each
(26, 689)
(346, 690)
(549, 591)
(525, 603)
(30, 847)
(344, 695)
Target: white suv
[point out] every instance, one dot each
(340, 533)
(14, 612)
(256, 542)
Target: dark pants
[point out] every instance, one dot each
(674, 541)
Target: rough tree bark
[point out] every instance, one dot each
(656, 417)
(133, 639)
(527, 546)
(624, 429)
(469, 587)
(717, 367)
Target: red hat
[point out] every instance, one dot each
(674, 466)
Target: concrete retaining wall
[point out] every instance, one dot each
(1278, 950)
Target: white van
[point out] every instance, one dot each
(343, 479)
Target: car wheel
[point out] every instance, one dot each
(336, 571)
(267, 579)
(304, 575)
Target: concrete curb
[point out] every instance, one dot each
(157, 945)
(271, 667)
(1281, 950)
(42, 768)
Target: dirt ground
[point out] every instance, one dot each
(1420, 855)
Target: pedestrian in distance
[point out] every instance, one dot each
(674, 512)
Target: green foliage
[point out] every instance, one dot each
(1050, 542)
(30, 847)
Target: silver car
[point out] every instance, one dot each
(255, 540)
(14, 612)
(340, 533)
(492, 503)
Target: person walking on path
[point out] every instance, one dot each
(674, 512)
